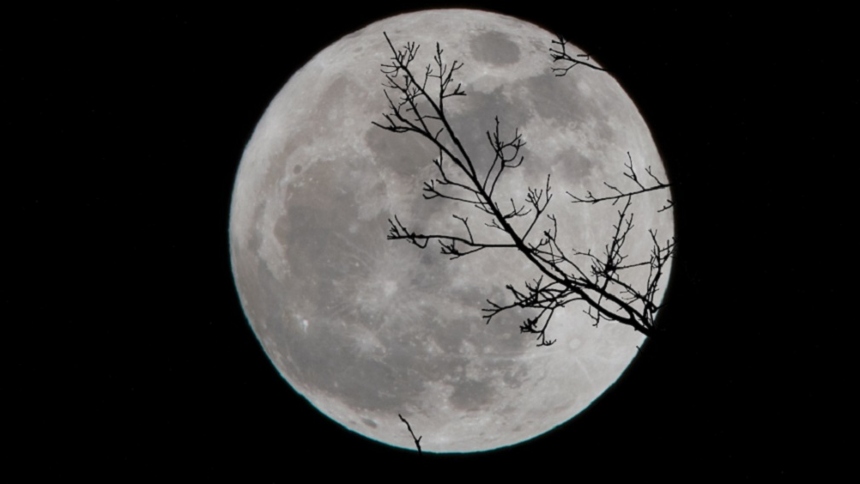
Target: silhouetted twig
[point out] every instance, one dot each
(560, 55)
(409, 427)
(618, 194)
(565, 276)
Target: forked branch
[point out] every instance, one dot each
(566, 61)
(566, 276)
(415, 439)
(618, 194)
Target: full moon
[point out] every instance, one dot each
(367, 328)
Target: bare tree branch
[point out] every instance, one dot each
(559, 54)
(409, 427)
(630, 174)
(596, 279)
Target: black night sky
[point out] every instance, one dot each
(129, 354)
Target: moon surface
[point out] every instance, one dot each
(366, 328)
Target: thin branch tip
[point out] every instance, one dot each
(417, 440)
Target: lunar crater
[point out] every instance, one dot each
(494, 48)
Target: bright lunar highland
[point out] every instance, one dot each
(366, 328)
